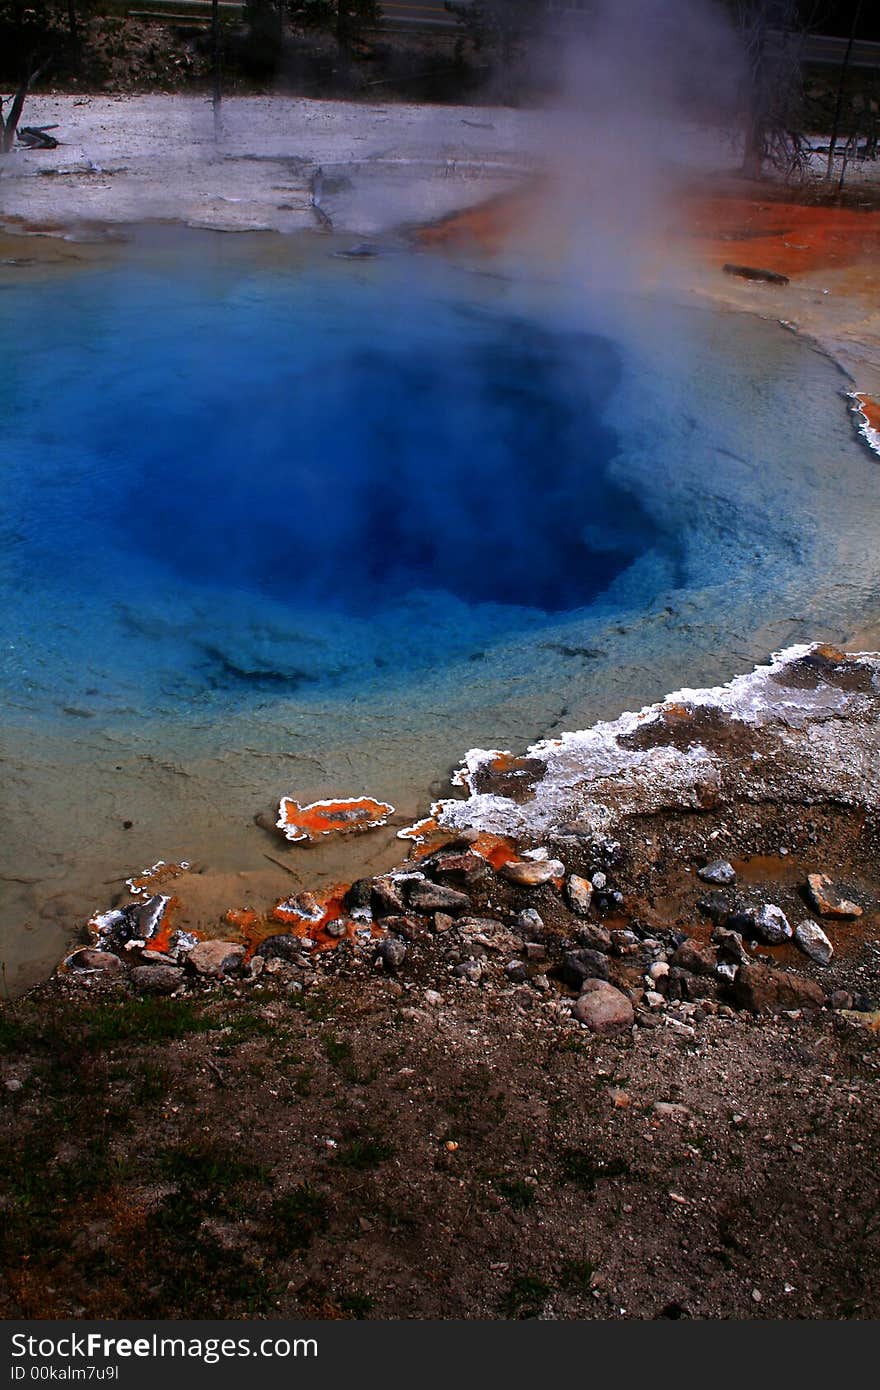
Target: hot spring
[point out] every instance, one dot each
(279, 522)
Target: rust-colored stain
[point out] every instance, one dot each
(784, 236)
(149, 880)
(425, 836)
(495, 849)
(245, 920)
(867, 413)
(318, 818)
(488, 227)
(870, 409)
(161, 940)
(253, 927)
(676, 711)
(508, 775)
(789, 238)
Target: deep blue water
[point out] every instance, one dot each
(241, 480)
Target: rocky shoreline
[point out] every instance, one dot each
(598, 870)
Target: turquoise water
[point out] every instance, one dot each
(313, 527)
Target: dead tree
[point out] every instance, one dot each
(838, 105)
(9, 124)
(772, 37)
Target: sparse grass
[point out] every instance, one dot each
(41, 1193)
(143, 1021)
(586, 1170)
(575, 1276)
(15, 1034)
(302, 1082)
(296, 1217)
(242, 1026)
(355, 1305)
(317, 1005)
(340, 1055)
(364, 1152)
(519, 1194)
(336, 1049)
(204, 1165)
(526, 1297)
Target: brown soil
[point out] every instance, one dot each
(363, 1148)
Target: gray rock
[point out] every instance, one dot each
(215, 958)
(687, 985)
(516, 971)
(810, 937)
(625, 942)
(529, 920)
(386, 899)
(102, 963)
(720, 871)
(408, 927)
(436, 897)
(599, 881)
(827, 901)
(470, 970)
(283, 946)
(147, 916)
(768, 923)
(466, 870)
(717, 906)
(695, 957)
(532, 873)
(762, 989)
(580, 894)
(604, 1009)
(581, 965)
(392, 953)
(359, 894)
(594, 936)
(774, 924)
(489, 926)
(156, 979)
(730, 946)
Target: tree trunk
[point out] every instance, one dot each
(10, 125)
(215, 61)
(838, 106)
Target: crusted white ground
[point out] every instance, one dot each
(132, 159)
(592, 777)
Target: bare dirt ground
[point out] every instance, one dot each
(364, 1153)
